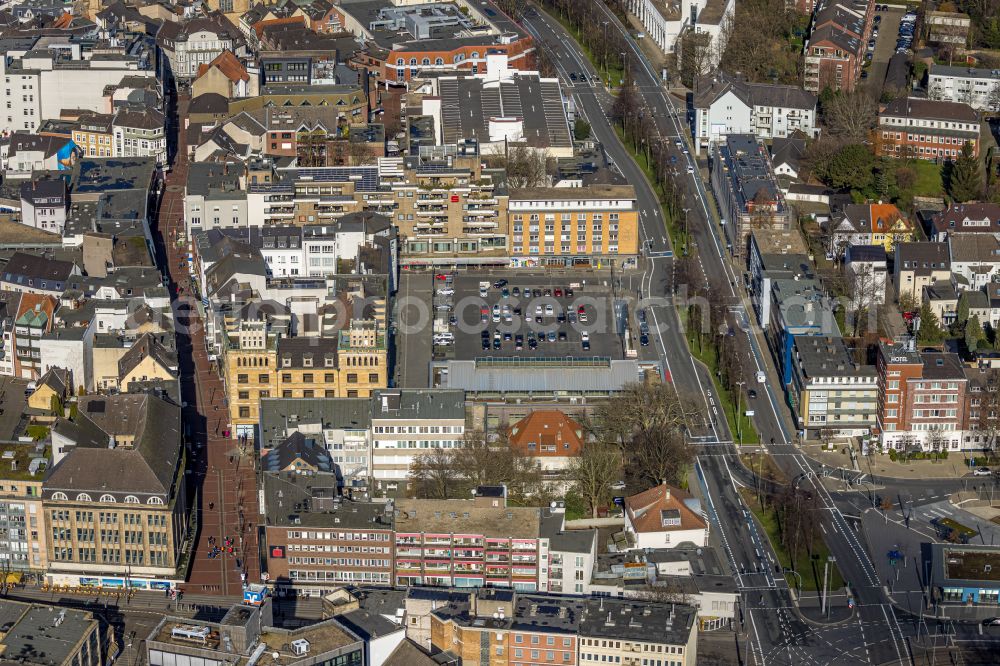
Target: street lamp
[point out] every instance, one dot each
(826, 584)
(605, 47)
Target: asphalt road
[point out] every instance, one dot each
(776, 630)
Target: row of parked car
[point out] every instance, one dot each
(907, 25)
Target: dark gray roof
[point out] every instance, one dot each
(146, 467)
(713, 86)
(368, 626)
(622, 619)
(866, 253)
(297, 447)
(313, 501)
(33, 266)
(431, 404)
(44, 189)
(146, 346)
(929, 109)
(469, 103)
(279, 416)
(922, 257)
(294, 352)
(43, 635)
(563, 540)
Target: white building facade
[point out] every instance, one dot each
(979, 88)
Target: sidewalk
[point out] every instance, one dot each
(955, 467)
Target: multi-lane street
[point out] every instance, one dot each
(878, 632)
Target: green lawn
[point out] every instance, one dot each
(810, 568)
(929, 182)
(742, 429)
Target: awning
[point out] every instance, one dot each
(14, 577)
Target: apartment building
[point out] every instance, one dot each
(351, 365)
(799, 306)
(35, 314)
(576, 226)
(94, 136)
(41, 80)
(979, 88)
(834, 52)
(114, 501)
(251, 373)
(448, 210)
(745, 187)
(480, 542)
(140, 134)
(260, 363)
(667, 22)
(214, 198)
(310, 195)
(409, 423)
(517, 628)
(965, 218)
(926, 129)
(918, 265)
(44, 203)
(726, 104)
(189, 44)
(317, 540)
(880, 224)
(638, 632)
(23, 534)
(572, 553)
(922, 399)
(831, 395)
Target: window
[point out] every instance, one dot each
(108, 499)
(352, 378)
(372, 377)
(263, 379)
(131, 499)
(83, 497)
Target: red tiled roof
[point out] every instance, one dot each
(229, 65)
(544, 428)
(644, 510)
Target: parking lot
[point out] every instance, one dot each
(885, 47)
(530, 315)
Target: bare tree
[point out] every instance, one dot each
(482, 462)
(525, 166)
(850, 116)
(865, 290)
(659, 455)
(593, 472)
(432, 476)
(985, 408)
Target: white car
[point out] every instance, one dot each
(690, 169)
(548, 310)
(585, 336)
(447, 291)
(618, 485)
(982, 471)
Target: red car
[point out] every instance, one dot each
(558, 292)
(441, 276)
(581, 310)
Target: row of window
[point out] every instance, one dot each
(106, 499)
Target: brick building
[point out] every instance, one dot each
(926, 129)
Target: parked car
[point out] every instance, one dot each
(618, 485)
(644, 340)
(516, 291)
(499, 284)
(982, 471)
(562, 336)
(447, 291)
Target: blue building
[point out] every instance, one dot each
(965, 574)
(798, 307)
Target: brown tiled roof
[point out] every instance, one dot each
(547, 427)
(229, 65)
(644, 510)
